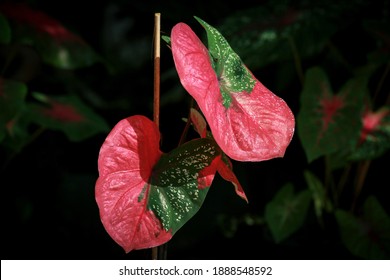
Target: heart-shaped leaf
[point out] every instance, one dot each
(286, 212)
(329, 123)
(145, 196)
(247, 120)
(67, 114)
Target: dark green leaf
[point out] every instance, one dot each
(286, 212)
(367, 237)
(272, 33)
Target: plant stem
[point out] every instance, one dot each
(159, 252)
(360, 177)
(297, 59)
(342, 182)
(330, 192)
(156, 84)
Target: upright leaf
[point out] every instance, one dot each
(329, 123)
(286, 212)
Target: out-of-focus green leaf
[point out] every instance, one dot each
(5, 30)
(381, 33)
(67, 114)
(56, 44)
(270, 33)
(12, 101)
(329, 122)
(367, 237)
(286, 212)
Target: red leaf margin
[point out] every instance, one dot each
(258, 126)
(222, 163)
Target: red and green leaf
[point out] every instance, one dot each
(55, 43)
(222, 163)
(375, 135)
(67, 114)
(329, 123)
(145, 196)
(247, 120)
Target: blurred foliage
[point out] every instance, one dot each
(62, 88)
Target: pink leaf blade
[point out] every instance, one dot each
(257, 125)
(121, 190)
(124, 217)
(226, 172)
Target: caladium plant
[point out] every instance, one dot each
(145, 195)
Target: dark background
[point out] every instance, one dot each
(48, 205)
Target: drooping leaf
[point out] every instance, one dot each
(56, 44)
(5, 30)
(145, 196)
(286, 212)
(223, 164)
(368, 236)
(125, 164)
(248, 121)
(12, 101)
(329, 122)
(180, 180)
(67, 114)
